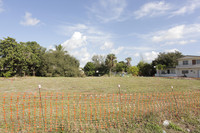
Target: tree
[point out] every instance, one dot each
(133, 70)
(35, 55)
(59, 63)
(167, 59)
(110, 62)
(121, 66)
(60, 48)
(10, 57)
(18, 59)
(128, 63)
(89, 69)
(145, 69)
(99, 62)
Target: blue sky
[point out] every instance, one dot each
(139, 29)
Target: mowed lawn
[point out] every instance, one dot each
(97, 84)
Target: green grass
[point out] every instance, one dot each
(97, 84)
(149, 101)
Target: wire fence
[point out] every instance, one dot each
(56, 112)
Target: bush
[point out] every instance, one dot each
(133, 70)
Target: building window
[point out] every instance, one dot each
(193, 62)
(172, 71)
(198, 61)
(185, 62)
(185, 72)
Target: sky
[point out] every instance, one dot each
(139, 29)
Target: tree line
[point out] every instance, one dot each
(101, 65)
(31, 59)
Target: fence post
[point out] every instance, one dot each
(39, 86)
(175, 101)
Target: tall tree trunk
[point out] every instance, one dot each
(110, 72)
(33, 68)
(34, 72)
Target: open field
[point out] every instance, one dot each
(96, 105)
(97, 84)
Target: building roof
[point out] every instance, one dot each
(189, 57)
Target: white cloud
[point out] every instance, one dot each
(1, 6)
(177, 33)
(84, 39)
(94, 35)
(170, 34)
(152, 9)
(149, 56)
(83, 55)
(76, 46)
(171, 50)
(157, 8)
(108, 10)
(188, 8)
(28, 20)
(69, 29)
(136, 55)
(76, 41)
(106, 46)
(182, 42)
(118, 50)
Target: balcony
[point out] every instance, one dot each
(189, 66)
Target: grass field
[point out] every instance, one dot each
(94, 104)
(98, 84)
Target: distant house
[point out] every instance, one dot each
(188, 66)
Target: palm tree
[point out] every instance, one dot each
(128, 63)
(110, 62)
(60, 48)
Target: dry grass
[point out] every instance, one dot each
(95, 105)
(97, 84)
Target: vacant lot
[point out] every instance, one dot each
(95, 104)
(98, 84)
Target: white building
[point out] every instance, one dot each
(188, 66)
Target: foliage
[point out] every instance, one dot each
(11, 57)
(175, 127)
(133, 70)
(89, 69)
(145, 69)
(99, 62)
(121, 66)
(167, 59)
(153, 127)
(59, 63)
(20, 59)
(160, 67)
(128, 63)
(110, 62)
(35, 55)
